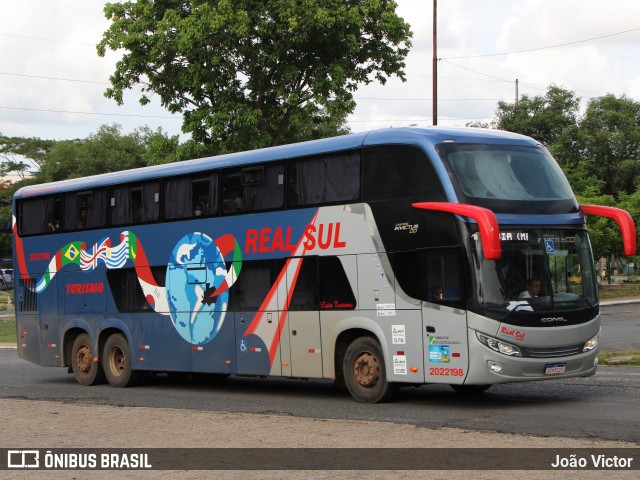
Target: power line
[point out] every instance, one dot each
(54, 78)
(491, 76)
(430, 99)
(89, 113)
(545, 48)
(47, 39)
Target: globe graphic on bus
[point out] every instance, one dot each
(195, 269)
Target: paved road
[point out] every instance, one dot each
(620, 327)
(605, 406)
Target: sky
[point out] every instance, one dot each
(52, 81)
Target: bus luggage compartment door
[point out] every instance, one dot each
(304, 339)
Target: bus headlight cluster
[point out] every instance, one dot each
(591, 344)
(498, 345)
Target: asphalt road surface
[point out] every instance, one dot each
(620, 327)
(605, 406)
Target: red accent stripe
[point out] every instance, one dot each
(624, 220)
(142, 265)
(22, 264)
(265, 304)
(487, 222)
(226, 244)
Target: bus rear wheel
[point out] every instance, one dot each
(116, 361)
(85, 370)
(364, 372)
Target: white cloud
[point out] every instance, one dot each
(465, 28)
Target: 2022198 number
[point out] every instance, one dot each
(446, 372)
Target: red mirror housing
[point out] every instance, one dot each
(486, 219)
(624, 220)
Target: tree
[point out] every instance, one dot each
(107, 150)
(20, 155)
(544, 118)
(608, 144)
(243, 73)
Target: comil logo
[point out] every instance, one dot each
(23, 459)
(553, 319)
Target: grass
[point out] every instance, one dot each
(6, 296)
(621, 290)
(8, 330)
(628, 358)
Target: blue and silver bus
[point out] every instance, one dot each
(380, 259)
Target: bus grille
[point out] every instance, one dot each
(28, 300)
(551, 352)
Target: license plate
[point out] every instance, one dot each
(555, 369)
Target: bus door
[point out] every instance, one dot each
(254, 305)
(300, 339)
(444, 319)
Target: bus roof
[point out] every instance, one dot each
(425, 138)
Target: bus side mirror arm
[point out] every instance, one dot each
(624, 220)
(486, 219)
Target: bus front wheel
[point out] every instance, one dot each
(85, 370)
(364, 372)
(116, 361)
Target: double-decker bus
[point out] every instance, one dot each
(380, 259)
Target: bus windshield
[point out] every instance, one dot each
(507, 172)
(540, 270)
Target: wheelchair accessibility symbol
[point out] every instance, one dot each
(549, 246)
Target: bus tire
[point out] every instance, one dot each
(470, 389)
(116, 362)
(85, 370)
(364, 372)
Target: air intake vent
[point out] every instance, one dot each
(28, 298)
(551, 352)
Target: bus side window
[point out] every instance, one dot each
(442, 272)
(252, 189)
(39, 215)
(386, 168)
(323, 180)
(430, 275)
(87, 209)
(249, 292)
(184, 195)
(138, 203)
(126, 290)
(305, 293)
(335, 290)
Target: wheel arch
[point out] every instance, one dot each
(109, 327)
(348, 331)
(71, 330)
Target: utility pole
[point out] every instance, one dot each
(517, 92)
(435, 62)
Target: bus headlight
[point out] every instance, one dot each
(498, 345)
(591, 344)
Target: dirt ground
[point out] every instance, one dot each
(42, 424)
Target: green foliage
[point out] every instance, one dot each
(107, 150)
(245, 74)
(598, 151)
(20, 155)
(544, 118)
